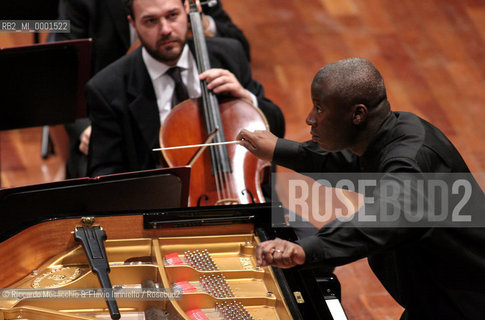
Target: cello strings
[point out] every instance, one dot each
(222, 186)
(213, 119)
(217, 154)
(219, 158)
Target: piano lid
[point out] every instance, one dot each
(25, 206)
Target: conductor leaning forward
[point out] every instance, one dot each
(433, 272)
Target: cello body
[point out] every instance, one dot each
(185, 126)
(222, 174)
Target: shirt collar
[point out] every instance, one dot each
(379, 141)
(156, 68)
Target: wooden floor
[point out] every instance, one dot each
(430, 52)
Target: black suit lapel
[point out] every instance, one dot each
(143, 105)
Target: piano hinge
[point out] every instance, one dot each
(87, 221)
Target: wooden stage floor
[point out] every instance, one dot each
(430, 52)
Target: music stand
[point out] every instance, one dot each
(22, 207)
(43, 84)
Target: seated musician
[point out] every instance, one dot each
(105, 21)
(128, 100)
(434, 272)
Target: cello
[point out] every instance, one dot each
(223, 174)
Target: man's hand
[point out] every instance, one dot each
(206, 25)
(84, 140)
(205, 21)
(261, 143)
(279, 253)
(223, 81)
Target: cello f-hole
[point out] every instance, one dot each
(246, 191)
(202, 197)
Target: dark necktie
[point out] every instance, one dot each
(180, 92)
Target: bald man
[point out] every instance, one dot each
(434, 273)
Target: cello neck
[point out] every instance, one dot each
(219, 156)
(202, 56)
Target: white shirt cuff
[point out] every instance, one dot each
(254, 100)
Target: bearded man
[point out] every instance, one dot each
(129, 99)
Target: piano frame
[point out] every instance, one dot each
(40, 237)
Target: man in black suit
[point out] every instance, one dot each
(128, 100)
(105, 21)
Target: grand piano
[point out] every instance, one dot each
(161, 259)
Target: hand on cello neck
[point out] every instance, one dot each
(222, 81)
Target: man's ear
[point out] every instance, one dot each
(187, 6)
(360, 114)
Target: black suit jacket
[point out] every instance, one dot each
(125, 117)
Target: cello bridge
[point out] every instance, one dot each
(227, 202)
